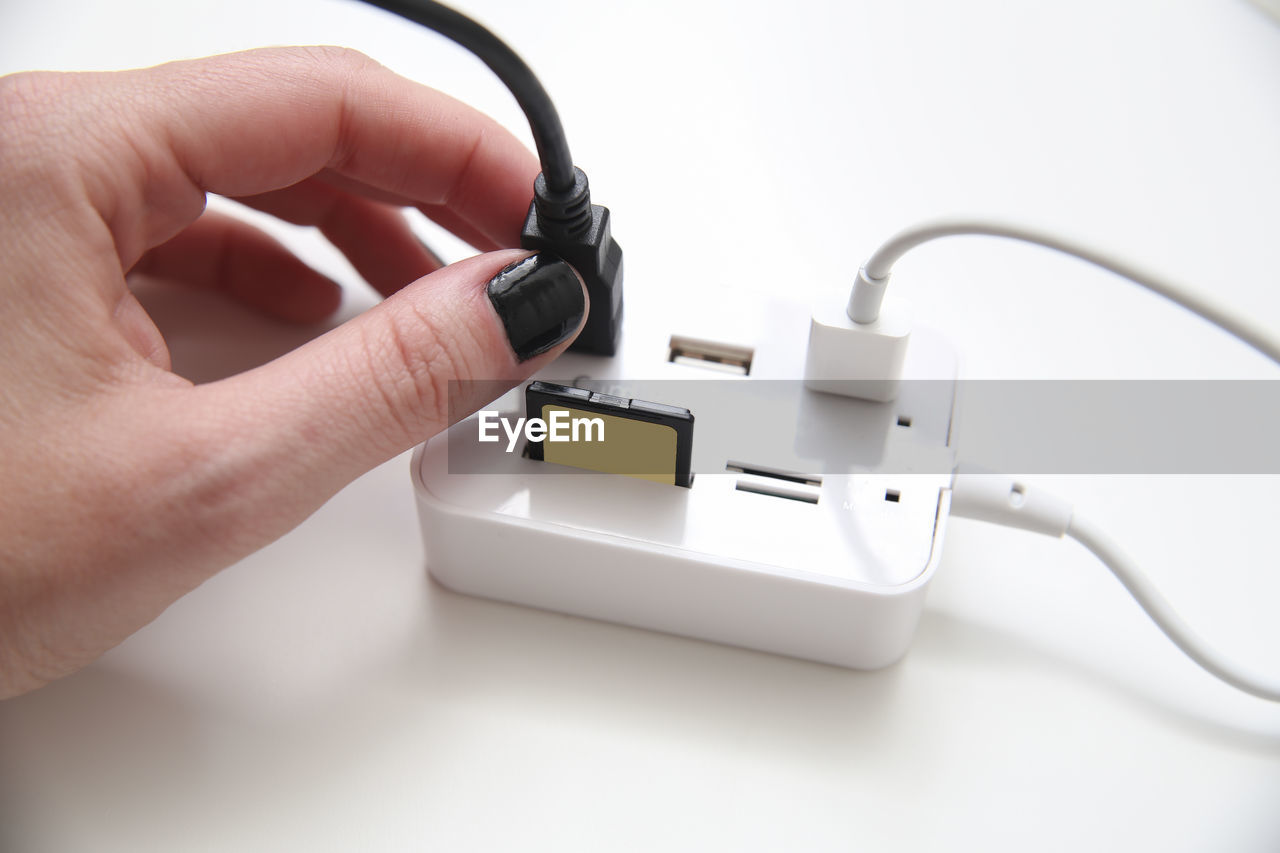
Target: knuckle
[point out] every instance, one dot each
(403, 366)
(212, 485)
(412, 362)
(55, 130)
(217, 491)
(340, 60)
(24, 93)
(342, 71)
(25, 102)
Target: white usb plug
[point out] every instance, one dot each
(858, 359)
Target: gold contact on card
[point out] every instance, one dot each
(630, 447)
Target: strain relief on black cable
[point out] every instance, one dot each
(564, 215)
(569, 225)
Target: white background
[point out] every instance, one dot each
(324, 695)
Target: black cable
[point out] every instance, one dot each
(544, 121)
(561, 217)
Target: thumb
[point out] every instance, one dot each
(316, 418)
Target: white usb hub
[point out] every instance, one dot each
(813, 526)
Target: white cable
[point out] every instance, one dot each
(869, 287)
(1163, 614)
(1006, 501)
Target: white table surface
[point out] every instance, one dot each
(324, 695)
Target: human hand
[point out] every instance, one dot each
(124, 486)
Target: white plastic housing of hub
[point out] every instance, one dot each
(740, 558)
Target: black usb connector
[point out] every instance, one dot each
(569, 225)
(561, 217)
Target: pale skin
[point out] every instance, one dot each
(124, 486)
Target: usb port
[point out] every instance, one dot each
(723, 358)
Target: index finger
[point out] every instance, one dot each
(252, 122)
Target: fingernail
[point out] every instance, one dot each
(539, 301)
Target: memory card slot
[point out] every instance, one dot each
(777, 492)
(774, 473)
